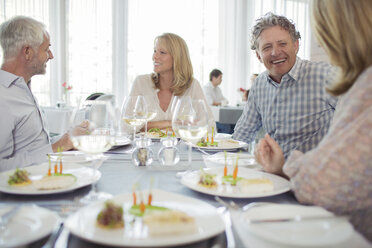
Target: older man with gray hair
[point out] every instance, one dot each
(24, 139)
(288, 100)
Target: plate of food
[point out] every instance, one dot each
(231, 181)
(219, 145)
(166, 219)
(157, 133)
(29, 224)
(42, 179)
(329, 232)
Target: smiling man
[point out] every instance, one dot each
(24, 139)
(289, 100)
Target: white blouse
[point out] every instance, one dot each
(143, 86)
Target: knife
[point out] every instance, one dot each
(298, 218)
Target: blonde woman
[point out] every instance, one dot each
(172, 76)
(337, 174)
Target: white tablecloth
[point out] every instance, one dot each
(57, 119)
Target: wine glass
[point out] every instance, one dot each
(190, 122)
(134, 112)
(151, 110)
(98, 138)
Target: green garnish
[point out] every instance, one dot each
(135, 209)
(203, 143)
(19, 177)
(230, 180)
(158, 131)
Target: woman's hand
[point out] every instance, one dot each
(269, 154)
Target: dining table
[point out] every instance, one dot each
(119, 174)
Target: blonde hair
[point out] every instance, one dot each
(182, 67)
(343, 29)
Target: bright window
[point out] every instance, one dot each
(196, 21)
(102, 45)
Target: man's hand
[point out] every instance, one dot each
(64, 143)
(269, 154)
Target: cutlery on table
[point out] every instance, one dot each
(296, 218)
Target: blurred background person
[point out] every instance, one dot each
(336, 174)
(212, 90)
(246, 91)
(172, 76)
(215, 97)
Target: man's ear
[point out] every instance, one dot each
(297, 45)
(28, 52)
(258, 56)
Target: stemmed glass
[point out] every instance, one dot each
(99, 138)
(134, 112)
(151, 111)
(190, 122)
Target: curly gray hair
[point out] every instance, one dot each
(20, 31)
(271, 20)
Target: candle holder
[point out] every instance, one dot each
(143, 154)
(168, 155)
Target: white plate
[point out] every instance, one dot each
(71, 157)
(221, 136)
(29, 224)
(84, 177)
(191, 180)
(218, 160)
(309, 233)
(241, 144)
(209, 222)
(121, 141)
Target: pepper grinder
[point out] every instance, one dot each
(143, 154)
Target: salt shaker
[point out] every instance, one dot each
(143, 154)
(168, 155)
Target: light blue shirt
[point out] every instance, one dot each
(24, 138)
(296, 113)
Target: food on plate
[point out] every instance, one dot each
(205, 143)
(111, 217)
(255, 185)
(55, 181)
(156, 133)
(228, 143)
(142, 209)
(19, 178)
(207, 179)
(169, 222)
(231, 179)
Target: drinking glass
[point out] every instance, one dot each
(99, 137)
(151, 110)
(190, 122)
(134, 112)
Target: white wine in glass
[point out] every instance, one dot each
(134, 112)
(99, 138)
(190, 121)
